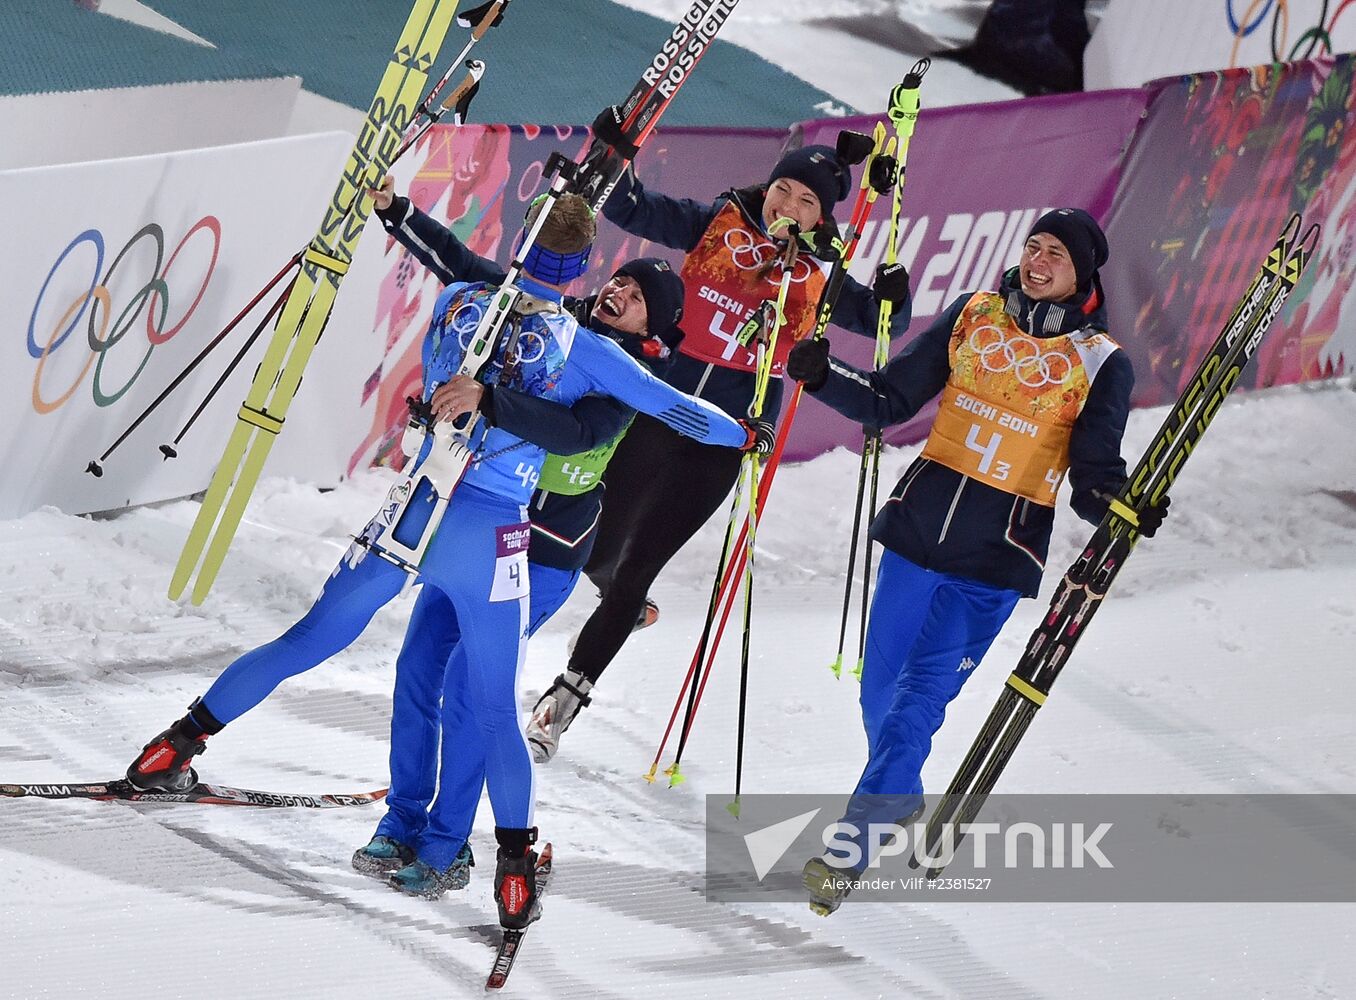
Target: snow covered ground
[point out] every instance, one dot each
(1222, 663)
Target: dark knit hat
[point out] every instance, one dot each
(1081, 236)
(663, 291)
(820, 170)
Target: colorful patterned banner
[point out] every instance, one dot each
(1219, 164)
(1193, 178)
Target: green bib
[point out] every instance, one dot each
(573, 475)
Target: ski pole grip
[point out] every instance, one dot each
(475, 69)
(913, 79)
(484, 18)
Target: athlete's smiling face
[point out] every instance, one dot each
(1047, 273)
(621, 306)
(787, 198)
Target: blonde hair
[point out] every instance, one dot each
(569, 228)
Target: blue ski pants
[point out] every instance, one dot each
(431, 815)
(470, 581)
(927, 634)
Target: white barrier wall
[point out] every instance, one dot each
(117, 273)
(44, 129)
(1141, 40)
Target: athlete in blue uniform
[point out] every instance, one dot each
(474, 571)
(1031, 387)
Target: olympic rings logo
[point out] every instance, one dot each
(1020, 355)
(750, 254)
(153, 296)
(1316, 35)
(465, 320)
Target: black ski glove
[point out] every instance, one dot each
(808, 363)
(891, 284)
(762, 436)
(1151, 516)
(608, 127)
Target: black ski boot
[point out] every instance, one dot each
(164, 762)
(515, 877)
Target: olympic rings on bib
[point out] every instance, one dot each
(750, 254)
(1021, 355)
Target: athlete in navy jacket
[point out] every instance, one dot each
(1032, 387)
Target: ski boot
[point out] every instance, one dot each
(515, 877)
(163, 764)
(649, 614)
(381, 857)
(554, 712)
(828, 886)
(421, 879)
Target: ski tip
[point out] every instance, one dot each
(546, 855)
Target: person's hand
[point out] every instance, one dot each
(452, 399)
(808, 363)
(762, 436)
(383, 194)
(891, 284)
(1151, 517)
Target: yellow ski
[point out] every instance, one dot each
(308, 307)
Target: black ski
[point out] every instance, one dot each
(202, 793)
(512, 941)
(1085, 585)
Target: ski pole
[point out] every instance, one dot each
(170, 450)
(94, 467)
(903, 113)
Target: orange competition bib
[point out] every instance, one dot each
(1011, 400)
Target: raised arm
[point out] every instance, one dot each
(432, 243)
(674, 222)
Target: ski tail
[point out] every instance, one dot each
(1085, 585)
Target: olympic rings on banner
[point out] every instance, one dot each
(1022, 356)
(750, 254)
(1279, 10)
(1233, 20)
(97, 298)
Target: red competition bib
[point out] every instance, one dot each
(1011, 400)
(724, 290)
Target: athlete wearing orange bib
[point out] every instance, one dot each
(1032, 387)
(661, 487)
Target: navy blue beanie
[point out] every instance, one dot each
(663, 291)
(820, 170)
(1081, 236)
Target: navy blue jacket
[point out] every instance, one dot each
(679, 223)
(947, 522)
